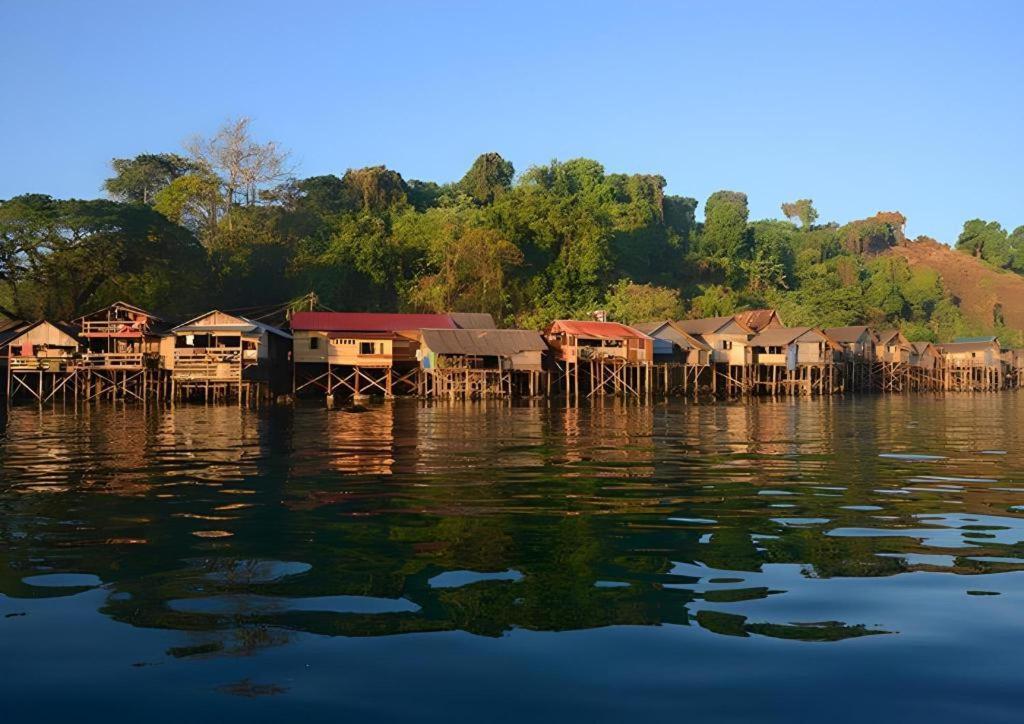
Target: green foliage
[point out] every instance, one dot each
(632, 303)
(802, 210)
(140, 179)
(488, 177)
(989, 241)
(725, 234)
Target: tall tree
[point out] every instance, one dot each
(141, 178)
(802, 210)
(244, 165)
(725, 225)
(488, 177)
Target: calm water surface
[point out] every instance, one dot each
(798, 560)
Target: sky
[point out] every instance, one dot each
(864, 106)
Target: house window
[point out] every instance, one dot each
(366, 348)
(726, 344)
(775, 350)
(314, 343)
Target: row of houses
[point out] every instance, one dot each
(124, 352)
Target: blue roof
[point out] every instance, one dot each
(974, 339)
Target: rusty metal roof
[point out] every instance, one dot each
(757, 319)
(482, 342)
(596, 330)
(368, 322)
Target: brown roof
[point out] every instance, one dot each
(922, 347)
(781, 336)
(483, 342)
(707, 325)
(887, 335)
(847, 335)
(756, 319)
(670, 330)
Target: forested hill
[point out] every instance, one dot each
(228, 223)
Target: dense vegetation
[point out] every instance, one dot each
(228, 224)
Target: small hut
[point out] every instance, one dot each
(892, 370)
(608, 357)
(683, 361)
(217, 354)
(974, 363)
(481, 362)
(121, 352)
(794, 359)
(759, 320)
(360, 352)
(856, 342)
(41, 359)
(926, 366)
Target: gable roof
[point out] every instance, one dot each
(368, 322)
(922, 347)
(124, 305)
(473, 320)
(977, 339)
(956, 347)
(671, 330)
(757, 319)
(483, 342)
(595, 330)
(848, 335)
(782, 336)
(243, 325)
(14, 333)
(888, 336)
(706, 325)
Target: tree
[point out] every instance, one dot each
(985, 240)
(488, 177)
(803, 210)
(725, 226)
(244, 166)
(141, 178)
(633, 303)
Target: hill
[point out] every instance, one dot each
(981, 291)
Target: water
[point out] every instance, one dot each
(777, 561)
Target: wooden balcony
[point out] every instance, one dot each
(214, 365)
(118, 360)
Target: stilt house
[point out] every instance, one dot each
(481, 362)
(672, 344)
(857, 342)
(41, 359)
(223, 353)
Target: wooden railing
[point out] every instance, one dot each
(118, 360)
(208, 364)
(111, 327)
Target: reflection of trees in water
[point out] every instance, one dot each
(596, 507)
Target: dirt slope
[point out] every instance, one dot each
(977, 287)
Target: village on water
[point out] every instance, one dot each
(123, 352)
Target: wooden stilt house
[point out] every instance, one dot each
(682, 360)
(121, 352)
(926, 366)
(731, 358)
(857, 345)
(892, 360)
(357, 353)
(219, 355)
(598, 358)
(42, 360)
(481, 362)
(795, 360)
(973, 364)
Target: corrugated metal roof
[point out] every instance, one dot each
(483, 342)
(596, 330)
(955, 347)
(847, 335)
(887, 335)
(975, 339)
(367, 322)
(245, 325)
(922, 347)
(473, 320)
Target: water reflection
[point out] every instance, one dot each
(793, 520)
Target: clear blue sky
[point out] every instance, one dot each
(909, 106)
